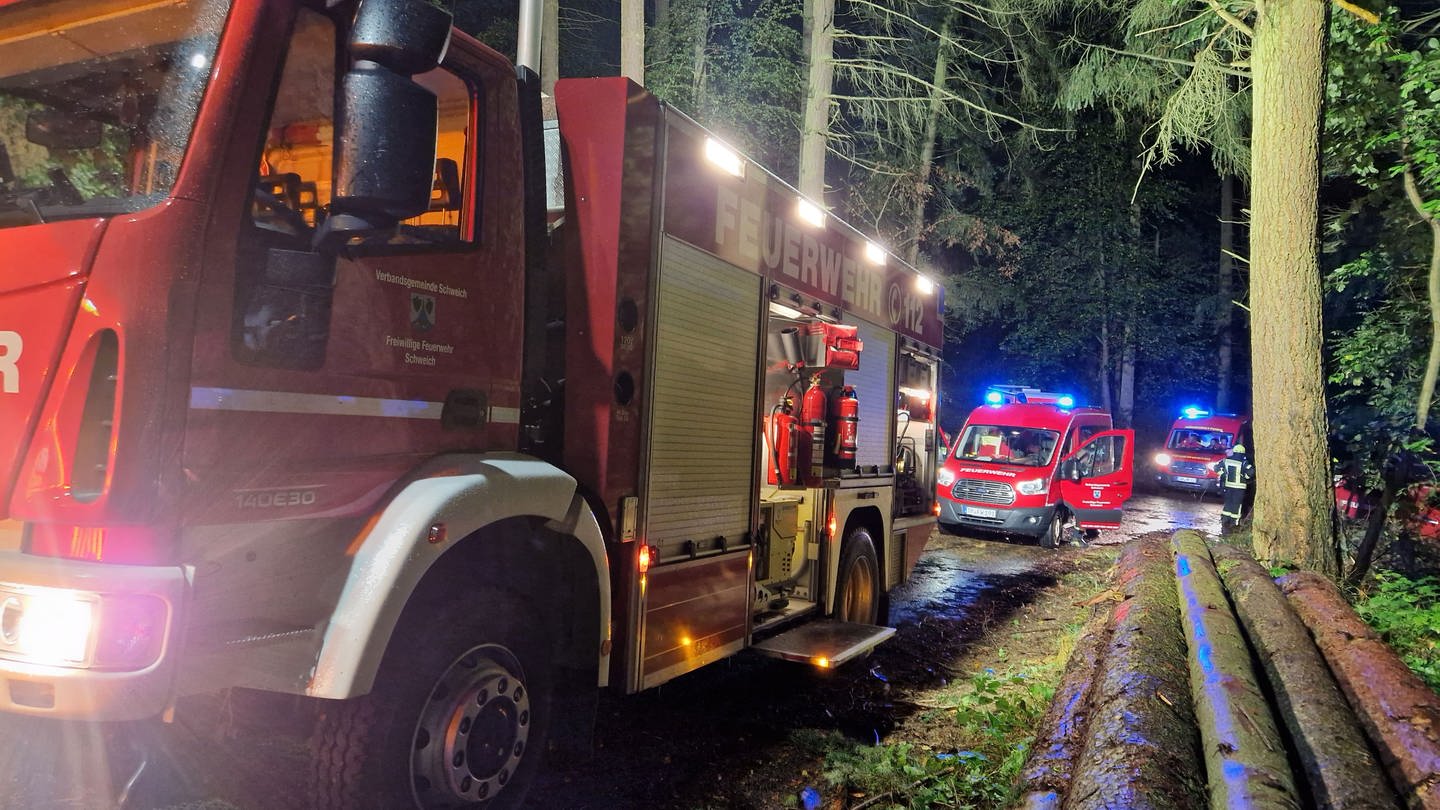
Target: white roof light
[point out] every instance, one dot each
(874, 253)
(199, 61)
(924, 285)
(810, 212)
(724, 157)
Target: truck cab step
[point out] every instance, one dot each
(827, 643)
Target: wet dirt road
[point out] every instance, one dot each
(732, 735)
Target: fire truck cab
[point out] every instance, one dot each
(1197, 440)
(1029, 462)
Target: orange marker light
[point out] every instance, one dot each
(822, 662)
(645, 558)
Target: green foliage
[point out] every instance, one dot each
(1406, 613)
(997, 715)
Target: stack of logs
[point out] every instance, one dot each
(1205, 683)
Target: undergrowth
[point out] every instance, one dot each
(1406, 613)
(996, 716)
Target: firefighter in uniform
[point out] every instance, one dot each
(1236, 473)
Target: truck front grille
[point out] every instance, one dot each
(1191, 468)
(969, 489)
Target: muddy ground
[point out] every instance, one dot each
(747, 732)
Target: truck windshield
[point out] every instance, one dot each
(1026, 447)
(1204, 439)
(97, 100)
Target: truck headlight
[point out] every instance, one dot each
(1162, 459)
(945, 477)
(1035, 486)
(59, 627)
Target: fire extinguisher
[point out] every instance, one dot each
(783, 444)
(812, 423)
(845, 416)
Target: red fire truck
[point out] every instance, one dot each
(1197, 441)
(1030, 462)
(301, 390)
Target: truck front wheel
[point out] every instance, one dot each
(1054, 531)
(857, 586)
(457, 717)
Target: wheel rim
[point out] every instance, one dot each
(474, 729)
(858, 600)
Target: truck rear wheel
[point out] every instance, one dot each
(457, 718)
(857, 586)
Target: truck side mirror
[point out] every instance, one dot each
(386, 123)
(1070, 470)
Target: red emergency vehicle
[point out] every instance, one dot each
(299, 393)
(1029, 462)
(1198, 440)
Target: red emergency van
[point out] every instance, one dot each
(1197, 440)
(1028, 462)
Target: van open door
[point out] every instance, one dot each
(1098, 477)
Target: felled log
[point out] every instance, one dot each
(1050, 766)
(1245, 763)
(1397, 710)
(1141, 748)
(1334, 756)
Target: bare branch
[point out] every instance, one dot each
(1363, 13)
(1224, 14)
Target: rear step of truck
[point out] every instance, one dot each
(826, 643)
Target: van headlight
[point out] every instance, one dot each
(1162, 459)
(1035, 486)
(945, 477)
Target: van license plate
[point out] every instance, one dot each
(1185, 479)
(980, 511)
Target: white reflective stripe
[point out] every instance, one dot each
(235, 399)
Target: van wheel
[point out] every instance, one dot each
(457, 718)
(1055, 532)
(857, 588)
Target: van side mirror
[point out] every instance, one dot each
(1070, 470)
(386, 123)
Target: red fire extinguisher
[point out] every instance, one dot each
(845, 416)
(781, 433)
(812, 423)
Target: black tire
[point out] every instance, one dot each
(1054, 532)
(857, 583)
(457, 718)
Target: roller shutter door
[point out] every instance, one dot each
(703, 408)
(875, 388)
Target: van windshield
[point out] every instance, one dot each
(1206, 440)
(97, 100)
(1025, 447)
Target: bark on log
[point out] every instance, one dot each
(1245, 761)
(1050, 767)
(1334, 756)
(1399, 712)
(1141, 749)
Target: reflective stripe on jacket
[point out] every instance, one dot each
(1236, 472)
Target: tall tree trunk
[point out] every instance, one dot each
(1293, 502)
(1432, 365)
(1104, 375)
(632, 40)
(927, 146)
(701, 48)
(1127, 375)
(1224, 291)
(815, 128)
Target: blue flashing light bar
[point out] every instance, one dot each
(1194, 413)
(993, 398)
(1065, 401)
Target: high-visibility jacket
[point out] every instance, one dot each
(1236, 471)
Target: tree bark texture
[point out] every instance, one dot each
(1245, 763)
(1292, 497)
(1334, 756)
(1225, 291)
(923, 169)
(1398, 711)
(1103, 378)
(815, 126)
(1141, 748)
(1432, 364)
(1050, 766)
(1126, 411)
(701, 50)
(632, 40)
